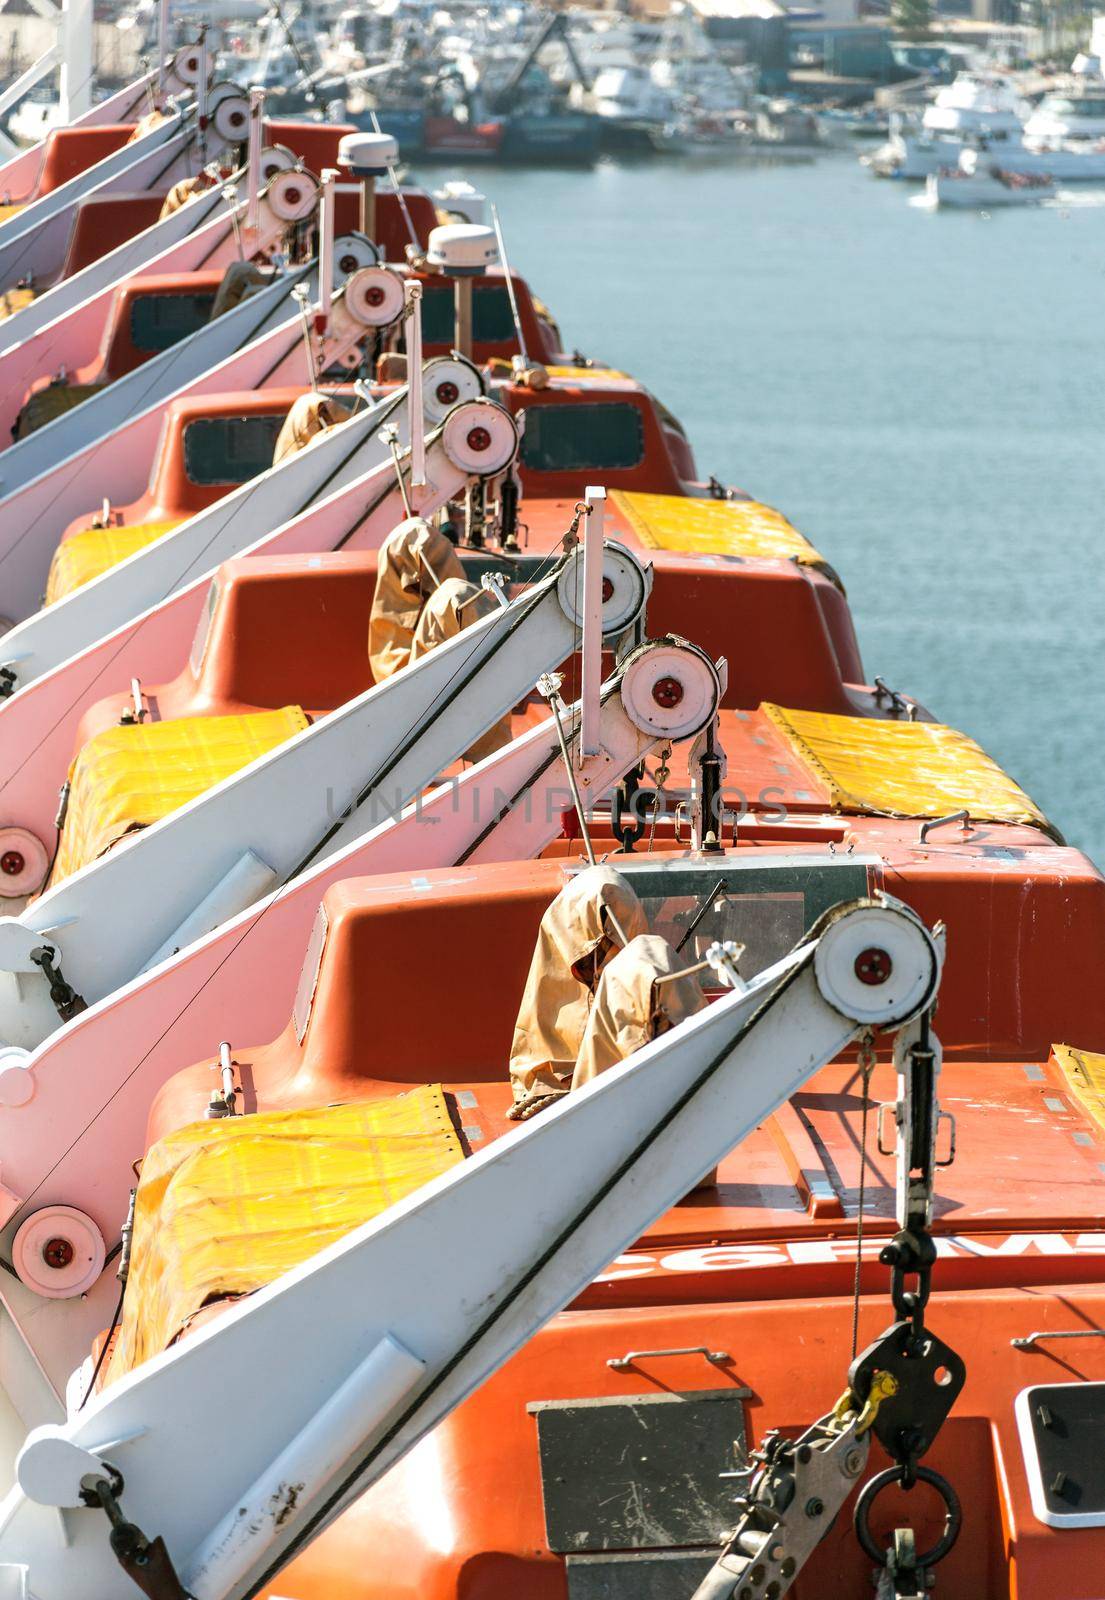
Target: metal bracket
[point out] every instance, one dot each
(145, 1561)
(723, 958)
(718, 1357)
(67, 1002)
(963, 816)
(788, 1508)
(492, 583)
(136, 711)
(1031, 1340)
(899, 705)
(884, 1148)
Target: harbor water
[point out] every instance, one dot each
(922, 393)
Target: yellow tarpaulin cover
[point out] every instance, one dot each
(904, 769)
(225, 1207)
(1085, 1075)
(713, 527)
(13, 300)
(594, 374)
(11, 211)
(131, 776)
(83, 556)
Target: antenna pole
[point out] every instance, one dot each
(510, 287)
(414, 392)
(201, 95)
(325, 252)
(256, 139)
(162, 46)
(589, 740)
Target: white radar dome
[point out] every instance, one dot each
(368, 155)
(463, 249)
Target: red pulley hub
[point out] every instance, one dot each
(667, 692)
(873, 966)
(607, 590)
(12, 863)
(448, 394)
(58, 1253)
(479, 440)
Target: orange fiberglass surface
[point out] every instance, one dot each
(240, 662)
(150, 312)
(208, 446)
(740, 1297)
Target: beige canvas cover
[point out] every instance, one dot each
(638, 998)
(586, 925)
(452, 607)
(414, 560)
(180, 194)
(240, 280)
(146, 124)
(310, 415)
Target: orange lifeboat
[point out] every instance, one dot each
(209, 445)
(737, 1305)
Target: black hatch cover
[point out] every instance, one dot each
(639, 1574)
(1063, 1436)
(637, 1473)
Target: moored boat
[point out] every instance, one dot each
(491, 937)
(980, 185)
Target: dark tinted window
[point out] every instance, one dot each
(574, 438)
(159, 320)
(492, 322)
(229, 449)
(766, 909)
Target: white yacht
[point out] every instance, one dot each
(976, 103)
(1077, 113)
(979, 184)
(688, 68)
(914, 156)
(34, 117)
(628, 95)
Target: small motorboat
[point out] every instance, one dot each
(979, 185)
(916, 156)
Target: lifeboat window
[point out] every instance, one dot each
(308, 977)
(578, 438)
(203, 628)
(765, 909)
(160, 320)
(229, 449)
(492, 322)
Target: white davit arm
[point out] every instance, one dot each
(347, 454)
(237, 986)
(208, 1449)
(177, 880)
(109, 449)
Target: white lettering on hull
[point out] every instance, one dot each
(827, 1252)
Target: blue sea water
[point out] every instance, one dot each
(923, 395)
